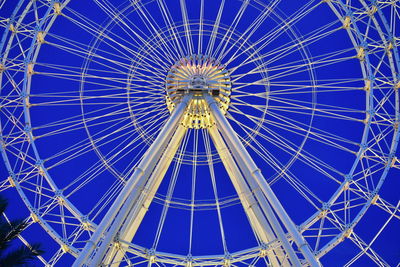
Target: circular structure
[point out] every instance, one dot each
(198, 75)
(311, 92)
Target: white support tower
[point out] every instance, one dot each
(201, 100)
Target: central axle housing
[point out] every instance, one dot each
(198, 75)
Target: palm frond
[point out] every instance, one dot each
(9, 231)
(3, 204)
(21, 255)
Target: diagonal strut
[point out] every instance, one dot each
(112, 221)
(253, 173)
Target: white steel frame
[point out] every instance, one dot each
(128, 210)
(267, 217)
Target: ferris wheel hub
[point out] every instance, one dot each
(198, 75)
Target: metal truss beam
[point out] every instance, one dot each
(252, 172)
(117, 213)
(140, 206)
(251, 206)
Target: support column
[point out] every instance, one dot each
(108, 227)
(141, 205)
(241, 153)
(250, 204)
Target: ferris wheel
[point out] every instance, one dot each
(202, 133)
